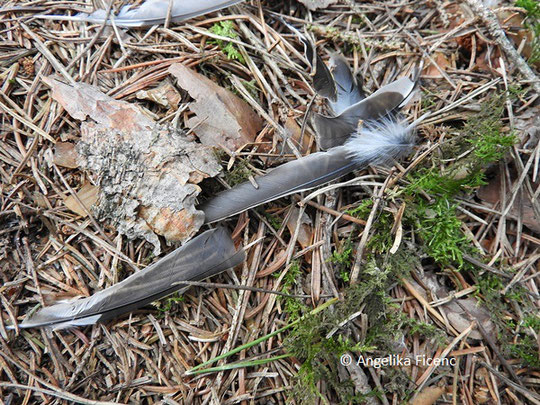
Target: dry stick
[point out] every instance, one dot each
(358, 260)
(496, 31)
(535, 398)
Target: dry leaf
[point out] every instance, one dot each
(222, 119)
(88, 195)
(461, 319)
(294, 132)
(165, 94)
(65, 155)
(522, 207)
(147, 173)
(431, 70)
(317, 4)
(428, 396)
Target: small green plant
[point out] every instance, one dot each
(226, 29)
(532, 22)
(343, 259)
(293, 306)
(167, 304)
(526, 349)
(239, 174)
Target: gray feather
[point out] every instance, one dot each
(292, 177)
(206, 255)
(378, 144)
(334, 131)
(151, 12)
(348, 91)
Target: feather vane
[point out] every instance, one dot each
(151, 12)
(205, 255)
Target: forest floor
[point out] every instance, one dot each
(431, 264)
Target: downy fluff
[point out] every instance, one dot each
(380, 142)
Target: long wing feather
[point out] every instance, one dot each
(151, 12)
(382, 143)
(208, 254)
(292, 177)
(348, 91)
(334, 131)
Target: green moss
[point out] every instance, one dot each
(532, 7)
(532, 22)
(167, 304)
(239, 174)
(343, 260)
(320, 355)
(226, 29)
(274, 221)
(293, 306)
(440, 231)
(527, 350)
(485, 134)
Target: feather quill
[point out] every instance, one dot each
(374, 144)
(206, 255)
(151, 12)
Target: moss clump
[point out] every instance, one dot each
(320, 354)
(239, 174)
(226, 29)
(343, 260)
(293, 306)
(166, 305)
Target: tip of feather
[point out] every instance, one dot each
(381, 142)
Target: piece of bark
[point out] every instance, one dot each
(221, 118)
(147, 173)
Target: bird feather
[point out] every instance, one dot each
(206, 255)
(348, 91)
(375, 144)
(335, 130)
(151, 12)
